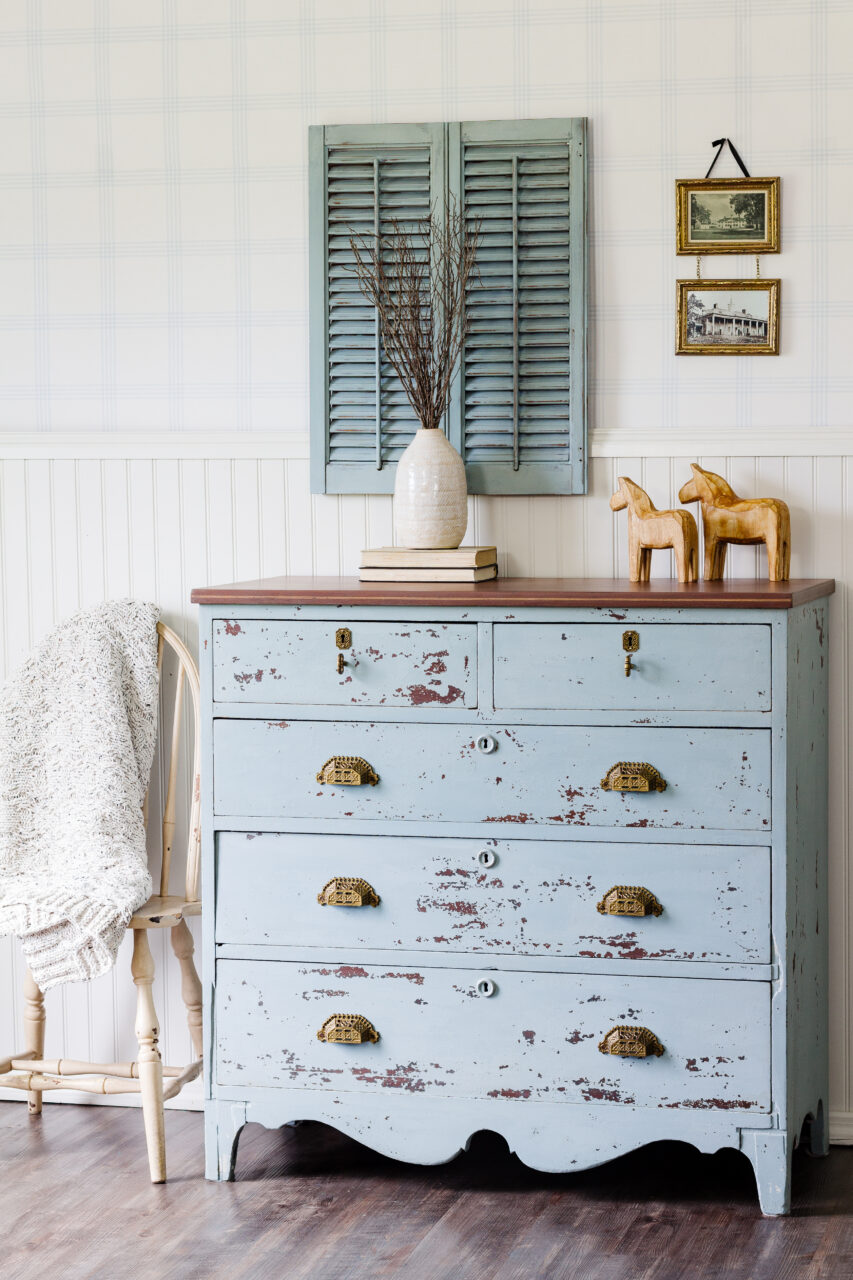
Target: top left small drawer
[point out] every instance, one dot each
(368, 664)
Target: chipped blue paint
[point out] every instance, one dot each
(731, 976)
(535, 899)
(406, 665)
(690, 667)
(716, 780)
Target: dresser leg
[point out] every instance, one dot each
(818, 1133)
(770, 1153)
(33, 1032)
(223, 1124)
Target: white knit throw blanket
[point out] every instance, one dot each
(78, 723)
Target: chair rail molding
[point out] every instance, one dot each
(605, 442)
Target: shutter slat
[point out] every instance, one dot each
(516, 405)
(354, 378)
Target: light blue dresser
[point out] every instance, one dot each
(542, 857)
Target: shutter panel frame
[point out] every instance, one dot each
(537, 379)
(357, 473)
(512, 387)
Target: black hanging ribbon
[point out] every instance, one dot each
(719, 143)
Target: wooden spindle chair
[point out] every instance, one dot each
(29, 1070)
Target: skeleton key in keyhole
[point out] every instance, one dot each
(630, 643)
(343, 639)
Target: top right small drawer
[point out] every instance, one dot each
(582, 666)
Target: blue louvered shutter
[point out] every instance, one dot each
(519, 408)
(361, 178)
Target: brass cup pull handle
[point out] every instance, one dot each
(631, 1042)
(348, 891)
(348, 1028)
(629, 900)
(632, 775)
(348, 771)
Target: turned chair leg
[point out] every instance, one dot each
(182, 945)
(33, 1032)
(150, 1062)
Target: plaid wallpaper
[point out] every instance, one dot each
(153, 219)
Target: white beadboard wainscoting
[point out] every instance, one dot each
(77, 529)
(155, 336)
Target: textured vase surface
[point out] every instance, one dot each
(430, 493)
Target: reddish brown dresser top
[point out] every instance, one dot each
(517, 593)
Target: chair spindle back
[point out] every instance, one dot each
(187, 675)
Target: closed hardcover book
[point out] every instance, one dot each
(403, 574)
(420, 558)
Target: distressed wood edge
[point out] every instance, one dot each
(732, 593)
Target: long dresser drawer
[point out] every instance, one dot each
(679, 667)
(366, 664)
(716, 779)
(495, 897)
(536, 1037)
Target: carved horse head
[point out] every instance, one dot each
(631, 495)
(707, 486)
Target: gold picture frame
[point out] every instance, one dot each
(727, 215)
(715, 318)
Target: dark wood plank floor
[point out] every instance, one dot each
(310, 1204)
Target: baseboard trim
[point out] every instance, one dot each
(605, 442)
(841, 1128)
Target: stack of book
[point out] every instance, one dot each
(403, 564)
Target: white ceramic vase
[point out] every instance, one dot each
(430, 493)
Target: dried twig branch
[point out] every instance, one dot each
(416, 275)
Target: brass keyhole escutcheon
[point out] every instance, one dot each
(343, 640)
(630, 643)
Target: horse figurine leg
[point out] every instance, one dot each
(685, 540)
(634, 554)
(779, 550)
(712, 568)
(685, 559)
(775, 554)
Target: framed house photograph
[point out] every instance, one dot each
(727, 318)
(727, 215)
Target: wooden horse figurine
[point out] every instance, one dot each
(727, 518)
(650, 529)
